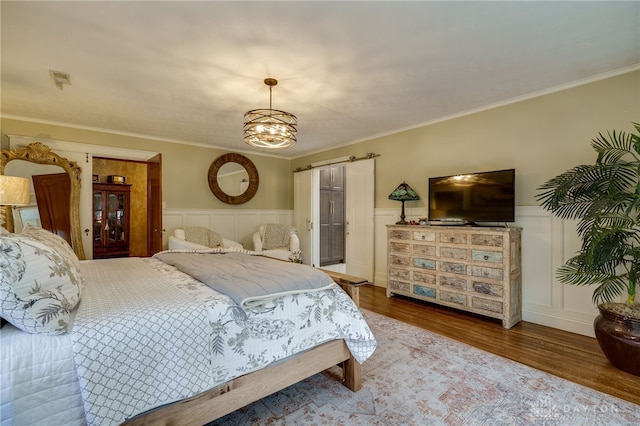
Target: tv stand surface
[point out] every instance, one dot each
(445, 223)
(472, 268)
(465, 223)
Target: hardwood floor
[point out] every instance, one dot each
(571, 356)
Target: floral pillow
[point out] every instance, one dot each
(39, 286)
(54, 241)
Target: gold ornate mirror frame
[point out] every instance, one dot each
(40, 153)
(248, 165)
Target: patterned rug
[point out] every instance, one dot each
(416, 377)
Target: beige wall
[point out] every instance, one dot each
(539, 137)
(184, 167)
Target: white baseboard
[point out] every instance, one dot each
(573, 322)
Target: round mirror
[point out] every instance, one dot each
(233, 178)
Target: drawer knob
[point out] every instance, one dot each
(486, 257)
(451, 239)
(423, 237)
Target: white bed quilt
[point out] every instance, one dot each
(38, 380)
(146, 334)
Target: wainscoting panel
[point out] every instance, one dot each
(234, 224)
(546, 243)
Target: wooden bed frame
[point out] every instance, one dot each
(228, 397)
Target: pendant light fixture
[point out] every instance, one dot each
(270, 128)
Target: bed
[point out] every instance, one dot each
(151, 344)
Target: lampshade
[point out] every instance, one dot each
(270, 128)
(14, 191)
(403, 193)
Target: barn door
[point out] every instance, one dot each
(360, 197)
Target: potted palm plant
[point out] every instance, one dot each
(605, 199)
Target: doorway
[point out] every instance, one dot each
(145, 206)
(332, 228)
(359, 196)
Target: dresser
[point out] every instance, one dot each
(111, 204)
(475, 269)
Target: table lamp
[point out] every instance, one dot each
(14, 191)
(403, 193)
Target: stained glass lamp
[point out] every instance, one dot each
(403, 193)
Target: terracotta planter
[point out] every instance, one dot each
(619, 339)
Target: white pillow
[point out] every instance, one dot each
(54, 241)
(40, 285)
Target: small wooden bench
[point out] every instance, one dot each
(349, 283)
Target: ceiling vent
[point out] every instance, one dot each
(60, 78)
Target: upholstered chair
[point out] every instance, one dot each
(179, 241)
(277, 241)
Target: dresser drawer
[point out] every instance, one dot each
(399, 247)
(453, 238)
(485, 272)
(399, 260)
(399, 234)
(402, 274)
(489, 289)
(424, 291)
(454, 268)
(423, 277)
(424, 263)
(487, 256)
(486, 305)
(453, 253)
(424, 250)
(402, 286)
(424, 236)
(453, 282)
(487, 240)
(451, 297)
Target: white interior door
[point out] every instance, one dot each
(359, 212)
(303, 213)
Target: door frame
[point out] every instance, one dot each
(307, 214)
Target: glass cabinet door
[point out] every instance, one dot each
(110, 220)
(97, 217)
(116, 203)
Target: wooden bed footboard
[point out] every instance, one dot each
(237, 393)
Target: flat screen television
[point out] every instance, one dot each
(474, 197)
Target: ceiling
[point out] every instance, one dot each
(187, 71)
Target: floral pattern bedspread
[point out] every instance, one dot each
(146, 334)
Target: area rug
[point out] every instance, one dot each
(416, 377)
